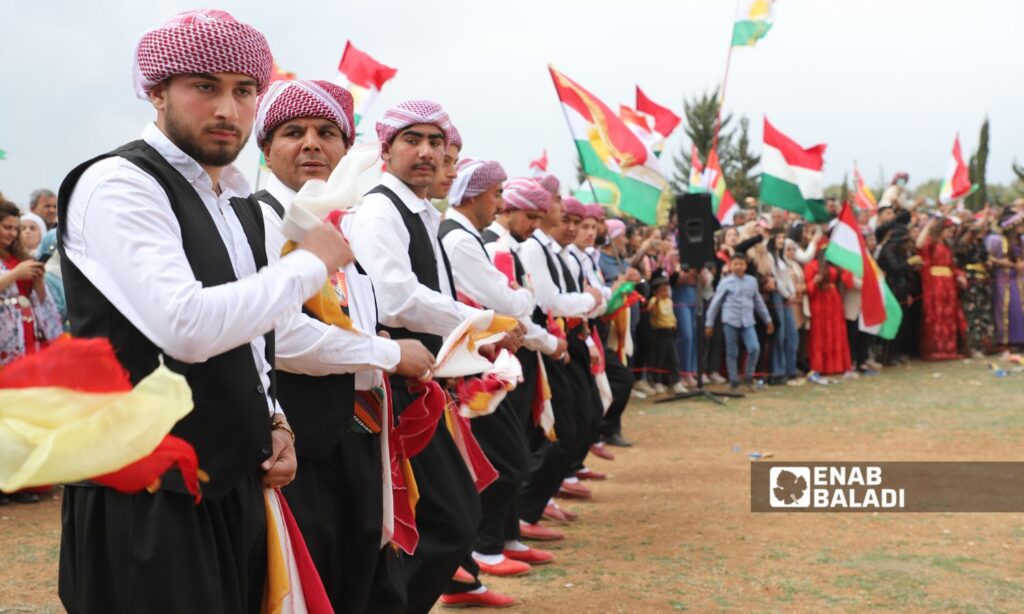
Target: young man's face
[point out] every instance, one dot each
(445, 174)
(208, 116)
(485, 206)
(587, 233)
(304, 148)
(568, 230)
(738, 266)
(521, 224)
(415, 155)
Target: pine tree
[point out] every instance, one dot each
(739, 164)
(977, 171)
(581, 176)
(701, 113)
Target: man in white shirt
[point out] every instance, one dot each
(158, 258)
(394, 232)
(338, 497)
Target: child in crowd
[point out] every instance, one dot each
(738, 299)
(664, 363)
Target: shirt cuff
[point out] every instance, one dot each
(311, 271)
(386, 353)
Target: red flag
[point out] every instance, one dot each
(276, 74)
(665, 121)
(363, 70)
(541, 163)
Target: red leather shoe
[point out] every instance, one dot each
(553, 512)
(533, 556)
(574, 491)
(463, 577)
(539, 533)
(486, 599)
(602, 451)
(508, 568)
(590, 474)
(570, 516)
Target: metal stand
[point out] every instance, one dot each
(700, 392)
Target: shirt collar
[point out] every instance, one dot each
(282, 193)
(232, 183)
(457, 216)
(413, 202)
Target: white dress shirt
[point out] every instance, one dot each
(537, 337)
(123, 235)
(381, 244)
(548, 291)
(476, 275)
(307, 345)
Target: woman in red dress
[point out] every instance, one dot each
(828, 350)
(943, 322)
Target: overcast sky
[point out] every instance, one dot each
(885, 82)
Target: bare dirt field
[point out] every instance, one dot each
(672, 531)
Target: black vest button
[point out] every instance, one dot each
(267, 449)
(260, 389)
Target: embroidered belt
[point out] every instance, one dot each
(940, 271)
(367, 411)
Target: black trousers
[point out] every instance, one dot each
(337, 501)
(664, 359)
(521, 400)
(859, 342)
(621, 382)
(587, 405)
(549, 459)
(161, 552)
(447, 515)
(503, 439)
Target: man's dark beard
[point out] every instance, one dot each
(178, 134)
(599, 240)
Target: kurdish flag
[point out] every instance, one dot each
(638, 124)
(863, 197)
(363, 77)
(600, 191)
(696, 182)
(665, 121)
(753, 20)
(610, 151)
(880, 311)
(957, 183)
(722, 201)
(791, 176)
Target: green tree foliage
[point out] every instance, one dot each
(977, 171)
(739, 165)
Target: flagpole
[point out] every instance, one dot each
(721, 95)
(579, 154)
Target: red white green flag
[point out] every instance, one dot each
(792, 177)
(863, 197)
(610, 151)
(363, 77)
(880, 311)
(957, 183)
(665, 121)
(696, 183)
(722, 201)
(642, 129)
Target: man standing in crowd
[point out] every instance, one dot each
(43, 203)
(304, 129)
(158, 259)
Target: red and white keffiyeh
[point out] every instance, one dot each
(410, 113)
(572, 206)
(525, 194)
(474, 178)
(549, 183)
(287, 100)
(595, 211)
(456, 139)
(203, 41)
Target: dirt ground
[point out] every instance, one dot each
(672, 531)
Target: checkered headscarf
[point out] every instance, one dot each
(550, 183)
(410, 113)
(474, 178)
(203, 41)
(287, 100)
(595, 211)
(456, 139)
(572, 206)
(525, 194)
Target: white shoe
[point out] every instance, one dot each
(851, 375)
(643, 387)
(716, 378)
(660, 388)
(679, 388)
(638, 395)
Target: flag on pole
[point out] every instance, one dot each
(696, 183)
(665, 121)
(3, 155)
(753, 20)
(363, 77)
(609, 150)
(277, 74)
(957, 183)
(722, 201)
(540, 165)
(791, 176)
(863, 197)
(600, 191)
(638, 124)
(880, 311)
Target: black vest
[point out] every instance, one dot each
(230, 424)
(319, 408)
(450, 225)
(424, 265)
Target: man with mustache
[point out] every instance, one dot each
(329, 379)
(158, 258)
(394, 231)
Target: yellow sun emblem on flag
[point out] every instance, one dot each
(760, 10)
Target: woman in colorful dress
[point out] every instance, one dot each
(1007, 257)
(942, 323)
(976, 296)
(828, 349)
